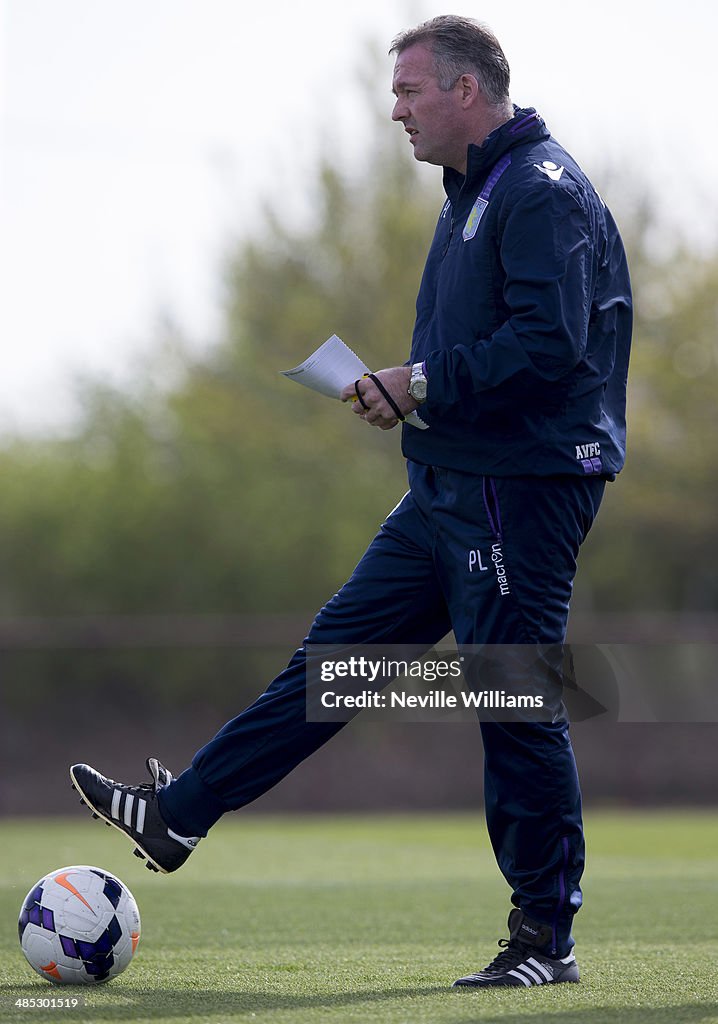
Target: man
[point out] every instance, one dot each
(518, 365)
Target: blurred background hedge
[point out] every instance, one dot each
(134, 546)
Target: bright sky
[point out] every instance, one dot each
(138, 138)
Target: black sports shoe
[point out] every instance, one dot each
(521, 962)
(133, 811)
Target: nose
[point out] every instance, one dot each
(400, 110)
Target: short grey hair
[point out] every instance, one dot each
(461, 46)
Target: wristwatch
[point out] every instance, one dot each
(418, 383)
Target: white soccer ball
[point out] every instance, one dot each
(79, 926)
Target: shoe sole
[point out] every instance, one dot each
(139, 850)
(504, 984)
(544, 984)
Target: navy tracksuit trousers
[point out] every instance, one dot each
(430, 570)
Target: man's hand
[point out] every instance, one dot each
(378, 412)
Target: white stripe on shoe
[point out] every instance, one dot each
(129, 800)
(115, 812)
(522, 978)
(537, 979)
(540, 967)
(141, 807)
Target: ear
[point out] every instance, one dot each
(469, 90)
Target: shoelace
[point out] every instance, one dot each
(165, 776)
(508, 958)
(146, 787)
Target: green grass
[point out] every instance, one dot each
(369, 919)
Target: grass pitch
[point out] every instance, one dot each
(339, 919)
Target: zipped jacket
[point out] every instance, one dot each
(523, 318)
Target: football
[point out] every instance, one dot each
(79, 925)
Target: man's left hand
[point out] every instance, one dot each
(378, 412)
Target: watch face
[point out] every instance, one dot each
(417, 389)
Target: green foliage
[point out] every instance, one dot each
(655, 542)
(234, 490)
(230, 489)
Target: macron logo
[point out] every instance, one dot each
(551, 170)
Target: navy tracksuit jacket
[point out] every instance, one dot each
(523, 322)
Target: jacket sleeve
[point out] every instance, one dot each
(546, 256)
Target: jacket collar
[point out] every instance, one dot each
(525, 126)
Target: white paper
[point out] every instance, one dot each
(331, 367)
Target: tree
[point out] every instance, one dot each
(233, 490)
(654, 546)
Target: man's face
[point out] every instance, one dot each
(434, 119)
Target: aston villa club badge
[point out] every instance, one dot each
(474, 218)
